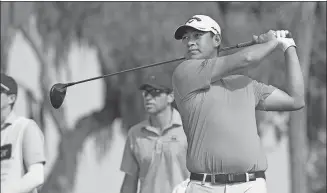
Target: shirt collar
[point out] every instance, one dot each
(9, 120)
(175, 122)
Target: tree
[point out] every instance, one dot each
(298, 120)
(130, 34)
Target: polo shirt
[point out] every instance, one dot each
(158, 160)
(22, 144)
(219, 118)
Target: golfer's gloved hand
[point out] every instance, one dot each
(284, 42)
(263, 38)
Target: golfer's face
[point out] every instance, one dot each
(198, 44)
(155, 100)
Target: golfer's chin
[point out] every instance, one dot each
(194, 56)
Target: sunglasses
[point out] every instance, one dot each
(153, 92)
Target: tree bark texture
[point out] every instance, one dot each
(298, 120)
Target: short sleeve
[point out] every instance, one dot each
(261, 91)
(192, 75)
(33, 145)
(129, 162)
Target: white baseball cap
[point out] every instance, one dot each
(199, 22)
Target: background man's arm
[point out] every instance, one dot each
(130, 166)
(31, 180)
(34, 160)
(130, 184)
(293, 98)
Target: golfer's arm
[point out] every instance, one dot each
(295, 77)
(293, 98)
(31, 180)
(129, 184)
(239, 62)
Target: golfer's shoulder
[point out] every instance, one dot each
(189, 66)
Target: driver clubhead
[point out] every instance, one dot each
(57, 95)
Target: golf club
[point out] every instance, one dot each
(58, 91)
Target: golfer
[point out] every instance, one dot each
(217, 104)
(155, 150)
(22, 145)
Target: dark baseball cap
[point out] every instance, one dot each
(158, 80)
(8, 84)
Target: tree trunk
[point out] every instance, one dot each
(63, 175)
(298, 119)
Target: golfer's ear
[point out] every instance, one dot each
(12, 98)
(217, 40)
(171, 97)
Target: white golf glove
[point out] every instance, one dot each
(284, 42)
(181, 188)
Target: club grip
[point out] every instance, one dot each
(250, 43)
(245, 44)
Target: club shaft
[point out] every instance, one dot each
(240, 45)
(123, 71)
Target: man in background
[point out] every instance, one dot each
(22, 145)
(155, 150)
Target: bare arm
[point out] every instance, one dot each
(129, 184)
(293, 98)
(238, 62)
(31, 180)
(34, 160)
(130, 165)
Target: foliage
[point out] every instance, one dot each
(130, 34)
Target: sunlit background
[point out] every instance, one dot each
(43, 43)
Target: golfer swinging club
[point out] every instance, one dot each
(217, 103)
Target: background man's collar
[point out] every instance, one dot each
(176, 121)
(11, 118)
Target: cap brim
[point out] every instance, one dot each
(182, 29)
(4, 87)
(144, 85)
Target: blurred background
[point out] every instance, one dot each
(43, 43)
